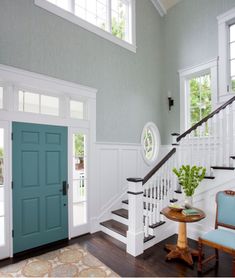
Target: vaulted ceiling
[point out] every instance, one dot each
(163, 5)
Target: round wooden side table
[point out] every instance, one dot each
(181, 249)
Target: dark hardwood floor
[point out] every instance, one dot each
(150, 264)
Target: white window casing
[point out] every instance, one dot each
(209, 67)
(224, 21)
(150, 146)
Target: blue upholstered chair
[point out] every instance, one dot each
(221, 239)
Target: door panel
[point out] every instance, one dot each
(40, 210)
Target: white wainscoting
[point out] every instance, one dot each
(115, 163)
(204, 198)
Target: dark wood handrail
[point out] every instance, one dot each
(158, 166)
(205, 119)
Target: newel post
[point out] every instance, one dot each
(135, 233)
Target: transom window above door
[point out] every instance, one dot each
(37, 103)
(103, 17)
(32, 102)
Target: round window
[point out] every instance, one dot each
(150, 141)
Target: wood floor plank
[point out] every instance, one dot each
(150, 264)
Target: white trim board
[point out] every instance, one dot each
(159, 7)
(23, 78)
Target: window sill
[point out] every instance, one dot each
(84, 24)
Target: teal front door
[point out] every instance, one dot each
(40, 201)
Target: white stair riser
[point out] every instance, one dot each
(113, 234)
(120, 219)
(125, 206)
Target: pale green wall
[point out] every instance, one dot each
(191, 38)
(129, 84)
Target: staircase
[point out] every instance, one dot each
(210, 143)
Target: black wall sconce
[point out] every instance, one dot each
(170, 102)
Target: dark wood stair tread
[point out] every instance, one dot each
(232, 156)
(120, 228)
(148, 238)
(125, 202)
(157, 224)
(115, 226)
(222, 168)
(178, 191)
(121, 212)
(209, 177)
(173, 200)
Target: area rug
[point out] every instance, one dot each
(71, 261)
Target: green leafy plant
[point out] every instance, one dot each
(190, 177)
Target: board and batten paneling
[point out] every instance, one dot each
(115, 163)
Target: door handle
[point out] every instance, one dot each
(64, 189)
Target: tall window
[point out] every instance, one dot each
(200, 101)
(79, 179)
(113, 16)
(232, 56)
(226, 46)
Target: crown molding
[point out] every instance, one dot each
(159, 7)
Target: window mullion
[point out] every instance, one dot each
(72, 6)
(109, 15)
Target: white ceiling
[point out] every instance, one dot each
(163, 5)
(169, 3)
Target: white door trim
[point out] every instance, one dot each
(13, 78)
(5, 251)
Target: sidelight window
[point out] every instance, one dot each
(79, 179)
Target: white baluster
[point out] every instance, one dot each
(215, 131)
(221, 139)
(203, 145)
(158, 199)
(224, 134)
(150, 203)
(198, 132)
(155, 199)
(145, 216)
(209, 126)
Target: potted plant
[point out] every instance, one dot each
(189, 178)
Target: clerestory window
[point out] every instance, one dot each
(103, 17)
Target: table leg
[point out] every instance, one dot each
(181, 250)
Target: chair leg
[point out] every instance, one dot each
(233, 265)
(200, 256)
(217, 256)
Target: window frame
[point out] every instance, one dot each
(157, 139)
(93, 28)
(224, 21)
(85, 112)
(185, 75)
(76, 230)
